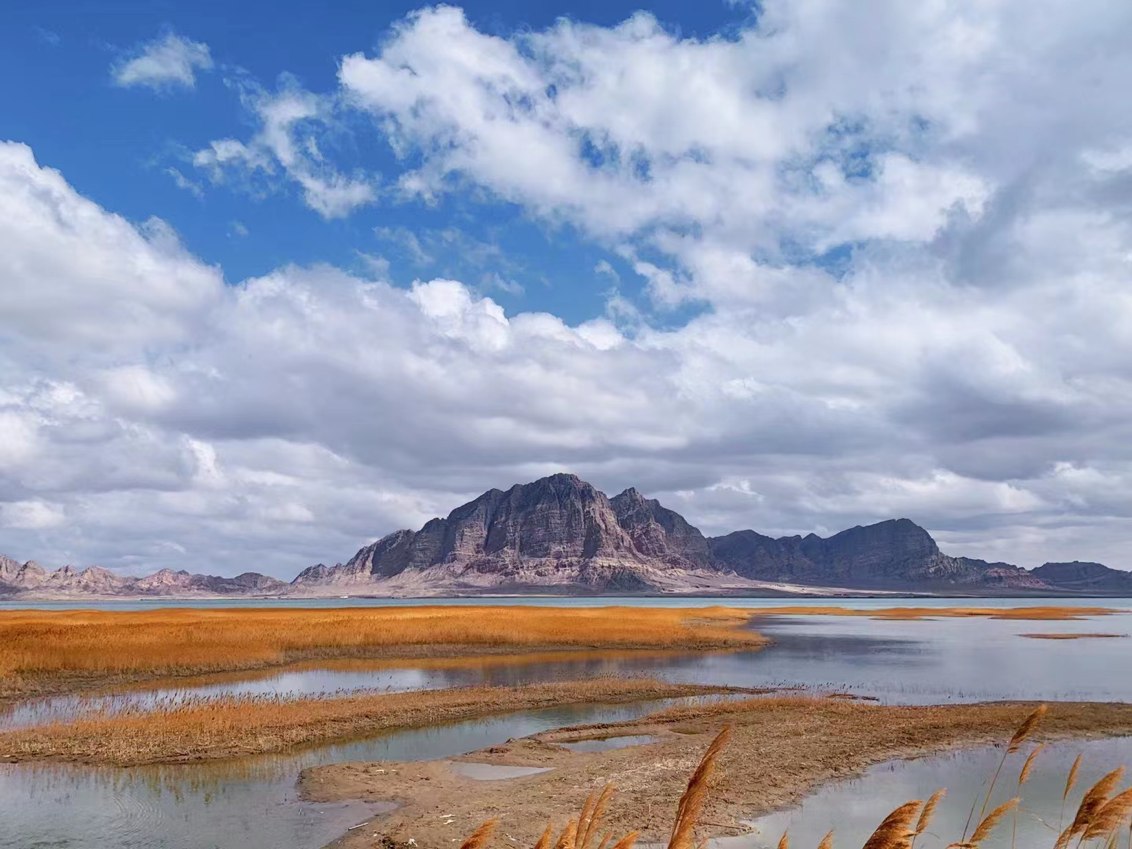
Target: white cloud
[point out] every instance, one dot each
(163, 63)
(290, 123)
(31, 515)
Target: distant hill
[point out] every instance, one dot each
(560, 534)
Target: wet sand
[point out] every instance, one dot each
(782, 749)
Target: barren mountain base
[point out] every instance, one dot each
(782, 749)
(215, 728)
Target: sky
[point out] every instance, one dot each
(278, 279)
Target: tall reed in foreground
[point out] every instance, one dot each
(1102, 815)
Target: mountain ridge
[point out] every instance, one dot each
(561, 534)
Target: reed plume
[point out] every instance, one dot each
(827, 841)
(627, 841)
(1092, 802)
(480, 836)
(896, 830)
(929, 811)
(692, 802)
(544, 841)
(992, 820)
(1028, 766)
(1020, 736)
(569, 836)
(592, 813)
(1109, 819)
(1026, 729)
(784, 841)
(1070, 782)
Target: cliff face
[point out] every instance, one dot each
(657, 532)
(555, 531)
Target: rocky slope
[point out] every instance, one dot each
(556, 532)
(29, 580)
(560, 534)
(895, 554)
(1085, 577)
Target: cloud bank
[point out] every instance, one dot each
(908, 234)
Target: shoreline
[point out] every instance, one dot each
(782, 749)
(217, 729)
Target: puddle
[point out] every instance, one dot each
(605, 744)
(494, 772)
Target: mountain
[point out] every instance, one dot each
(1085, 577)
(559, 534)
(31, 580)
(894, 554)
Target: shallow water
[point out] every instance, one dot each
(494, 772)
(250, 803)
(854, 808)
(907, 661)
(608, 743)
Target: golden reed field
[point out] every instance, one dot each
(188, 641)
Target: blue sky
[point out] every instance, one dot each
(276, 281)
(131, 137)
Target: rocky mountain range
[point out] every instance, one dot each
(560, 534)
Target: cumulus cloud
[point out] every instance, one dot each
(291, 123)
(167, 62)
(908, 232)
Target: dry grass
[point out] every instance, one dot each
(219, 727)
(90, 647)
(1046, 613)
(1101, 819)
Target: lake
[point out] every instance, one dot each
(251, 803)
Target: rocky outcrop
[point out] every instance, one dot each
(660, 533)
(557, 531)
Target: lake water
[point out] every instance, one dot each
(245, 804)
(856, 603)
(908, 661)
(251, 803)
(854, 808)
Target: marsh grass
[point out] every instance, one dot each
(93, 645)
(211, 727)
(1102, 817)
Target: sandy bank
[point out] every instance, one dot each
(782, 749)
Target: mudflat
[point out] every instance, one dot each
(781, 749)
